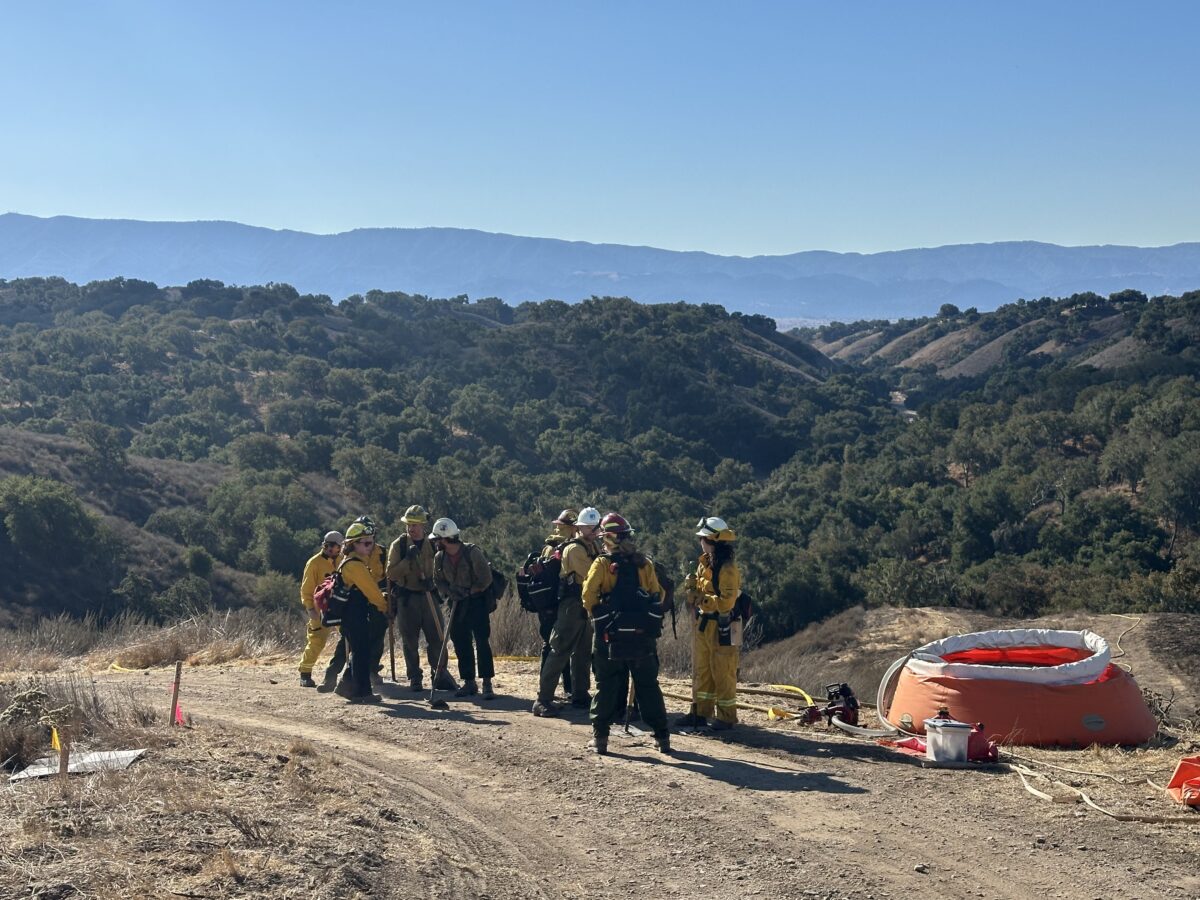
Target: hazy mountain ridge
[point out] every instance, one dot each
(451, 261)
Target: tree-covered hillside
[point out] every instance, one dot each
(217, 431)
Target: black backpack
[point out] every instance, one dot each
(630, 619)
(496, 589)
(332, 596)
(537, 582)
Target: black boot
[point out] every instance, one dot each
(599, 745)
(329, 682)
(663, 743)
(306, 680)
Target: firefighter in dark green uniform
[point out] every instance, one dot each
(410, 577)
(623, 596)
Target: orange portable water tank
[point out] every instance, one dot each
(1035, 687)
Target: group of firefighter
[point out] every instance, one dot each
(611, 602)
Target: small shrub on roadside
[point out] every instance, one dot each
(188, 596)
(514, 631)
(275, 591)
(96, 718)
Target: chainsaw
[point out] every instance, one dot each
(840, 703)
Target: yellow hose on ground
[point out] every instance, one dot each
(768, 710)
(790, 689)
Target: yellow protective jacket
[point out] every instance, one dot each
(461, 577)
(357, 573)
(378, 564)
(577, 559)
(410, 564)
(315, 571)
(602, 578)
(710, 602)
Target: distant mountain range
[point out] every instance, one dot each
(446, 262)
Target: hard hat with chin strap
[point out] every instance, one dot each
(615, 526)
(714, 529)
(445, 528)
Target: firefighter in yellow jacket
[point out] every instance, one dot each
(365, 621)
(315, 571)
(377, 563)
(712, 594)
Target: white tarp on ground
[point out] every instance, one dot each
(927, 661)
(96, 761)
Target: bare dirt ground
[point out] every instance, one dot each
(278, 791)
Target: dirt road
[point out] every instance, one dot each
(496, 803)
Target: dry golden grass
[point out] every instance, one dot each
(46, 644)
(202, 814)
(514, 631)
(301, 747)
(675, 653)
(214, 638)
(133, 643)
(824, 653)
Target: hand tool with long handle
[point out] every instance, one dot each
(440, 704)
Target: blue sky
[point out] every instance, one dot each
(734, 128)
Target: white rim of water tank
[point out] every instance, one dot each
(927, 661)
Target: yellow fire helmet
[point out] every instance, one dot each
(415, 515)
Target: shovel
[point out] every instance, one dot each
(631, 729)
(439, 704)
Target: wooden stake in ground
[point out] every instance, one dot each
(175, 693)
(64, 752)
